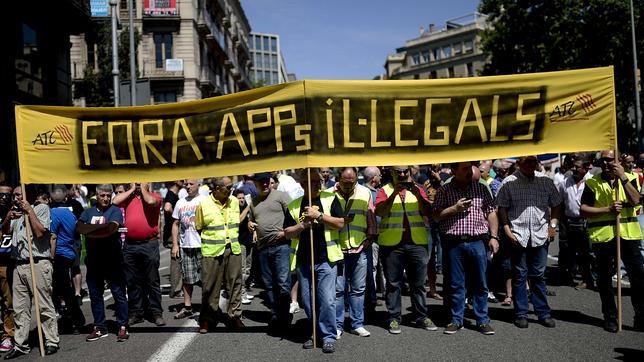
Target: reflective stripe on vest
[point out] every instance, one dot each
(354, 233)
(392, 225)
(333, 251)
(216, 234)
(601, 229)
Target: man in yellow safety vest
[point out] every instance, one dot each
(599, 205)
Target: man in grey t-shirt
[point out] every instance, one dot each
(267, 213)
(43, 248)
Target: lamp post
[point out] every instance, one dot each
(130, 10)
(115, 54)
(638, 107)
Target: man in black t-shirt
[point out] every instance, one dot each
(170, 200)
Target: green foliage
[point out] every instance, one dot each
(548, 35)
(97, 86)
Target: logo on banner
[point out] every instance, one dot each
(569, 111)
(57, 139)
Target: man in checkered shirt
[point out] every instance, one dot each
(467, 219)
(529, 209)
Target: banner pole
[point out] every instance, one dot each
(313, 290)
(618, 258)
(34, 285)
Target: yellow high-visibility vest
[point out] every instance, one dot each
(392, 226)
(220, 227)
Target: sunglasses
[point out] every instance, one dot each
(401, 171)
(607, 159)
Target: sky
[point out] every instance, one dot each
(348, 39)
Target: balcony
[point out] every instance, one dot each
(242, 46)
(151, 71)
(220, 8)
(210, 83)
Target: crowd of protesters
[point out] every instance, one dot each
(351, 233)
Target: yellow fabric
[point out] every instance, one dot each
(331, 236)
(601, 229)
(392, 225)
(219, 225)
(353, 234)
(317, 123)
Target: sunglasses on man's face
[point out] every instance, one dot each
(401, 171)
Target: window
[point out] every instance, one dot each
(266, 46)
(274, 44)
(267, 61)
(258, 61)
(92, 55)
(162, 48)
(468, 46)
(470, 69)
(425, 56)
(267, 77)
(447, 51)
(436, 52)
(450, 72)
(274, 78)
(416, 76)
(29, 63)
(433, 74)
(415, 59)
(273, 61)
(258, 42)
(458, 48)
(165, 97)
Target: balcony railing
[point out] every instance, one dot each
(150, 70)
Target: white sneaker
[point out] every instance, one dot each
(362, 332)
(250, 296)
(338, 334)
(294, 308)
(245, 300)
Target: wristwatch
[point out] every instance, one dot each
(319, 218)
(553, 225)
(494, 237)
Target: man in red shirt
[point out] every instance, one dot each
(141, 251)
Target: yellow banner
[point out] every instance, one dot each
(321, 123)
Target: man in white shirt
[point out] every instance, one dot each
(573, 231)
(186, 243)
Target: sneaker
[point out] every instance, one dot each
(245, 300)
(452, 328)
(548, 322)
(79, 300)
(183, 313)
(491, 298)
(6, 345)
(96, 335)
(428, 325)
(159, 321)
(308, 344)
(362, 332)
(328, 347)
(294, 308)
(250, 296)
(394, 327)
(338, 334)
(486, 329)
(203, 327)
(123, 334)
(521, 322)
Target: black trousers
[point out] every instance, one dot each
(63, 288)
(606, 268)
(142, 278)
(575, 250)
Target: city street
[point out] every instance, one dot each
(578, 336)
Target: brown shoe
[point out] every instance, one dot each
(203, 327)
(434, 295)
(236, 325)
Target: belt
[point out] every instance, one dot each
(24, 262)
(464, 238)
(576, 219)
(132, 241)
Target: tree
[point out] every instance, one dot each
(97, 86)
(547, 35)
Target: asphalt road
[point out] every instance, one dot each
(578, 336)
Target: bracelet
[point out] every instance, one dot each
(494, 237)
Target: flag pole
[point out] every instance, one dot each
(313, 290)
(618, 258)
(34, 285)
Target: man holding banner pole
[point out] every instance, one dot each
(324, 218)
(403, 245)
(599, 205)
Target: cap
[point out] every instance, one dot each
(262, 176)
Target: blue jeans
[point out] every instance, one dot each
(325, 276)
(435, 248)
(352, 283)
(530, 264)
(96, 277)
(413, 259)
(276, 275)
(466, 260)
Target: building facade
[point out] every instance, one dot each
(268, 62)
(35, 66)
(188, 49)
(451, 52)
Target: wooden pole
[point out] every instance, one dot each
(618, 258)
(313, 290)
(34, 287)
